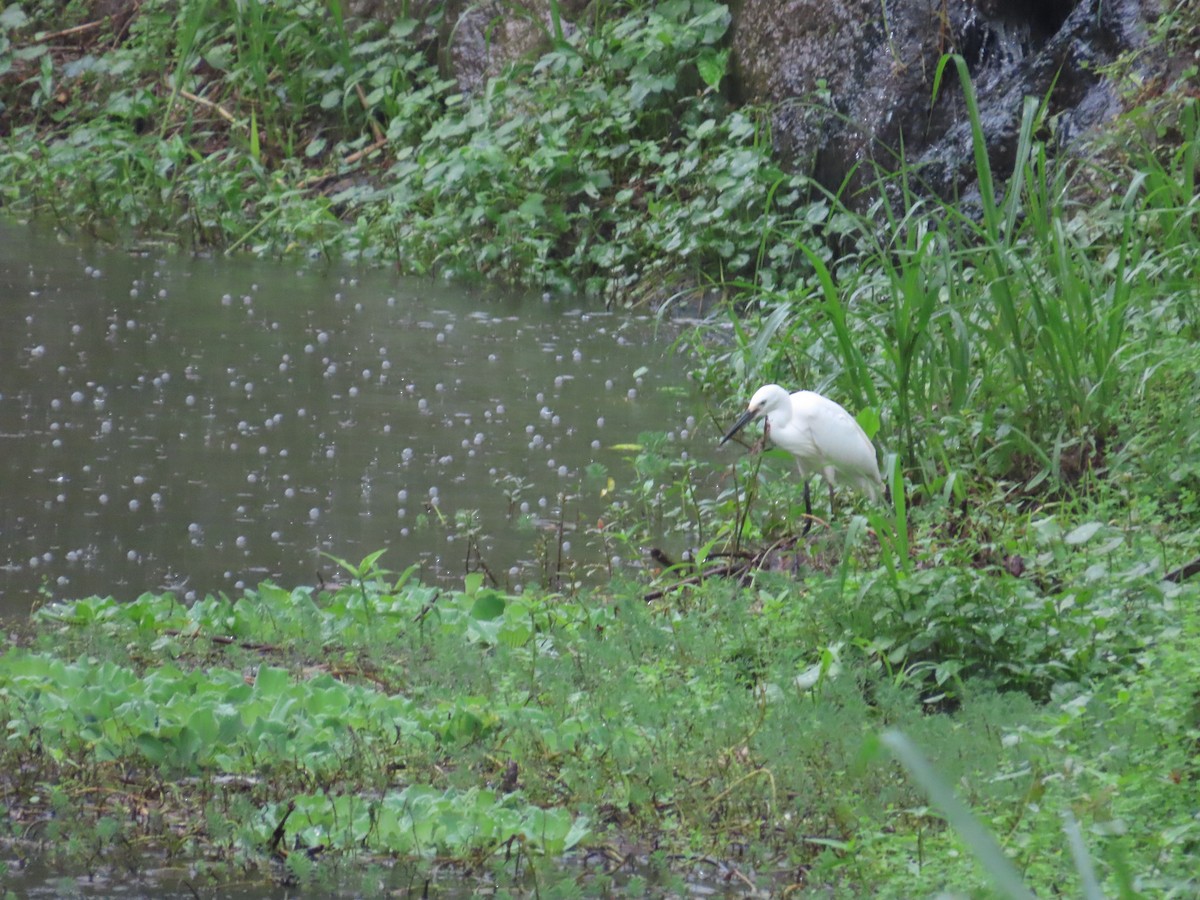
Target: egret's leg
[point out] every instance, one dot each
(807, 510)
(831, 502)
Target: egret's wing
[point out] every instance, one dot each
(842, 443)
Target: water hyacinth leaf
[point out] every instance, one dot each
(488, 605)
(203, 724)
(152, 748)
(271, 682)
(472, 583)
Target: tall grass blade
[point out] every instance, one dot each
(1083, 861)
(980, 841)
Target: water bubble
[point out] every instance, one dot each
(631, 393)
(289, 492)
(77, 397)
(322, 337)
(103, 498)
(595, 445)
(314, 514)
(133, 505)
(132, 556)
(252, 478)
(402, 495)
(190, 400)
(276, 536)
(194, 528)
(241, 541)
(608, 384)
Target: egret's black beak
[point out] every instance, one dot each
(737, 426)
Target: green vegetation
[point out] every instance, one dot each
(1022, 614)
(611, 162)
(297, 732)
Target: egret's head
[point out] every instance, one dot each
(767, 398)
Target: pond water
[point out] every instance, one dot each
(201, 424)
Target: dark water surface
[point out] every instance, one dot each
(202, 424)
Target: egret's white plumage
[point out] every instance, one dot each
(822, 436)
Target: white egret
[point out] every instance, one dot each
(822, 436)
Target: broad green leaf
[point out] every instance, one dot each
(488, 605)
